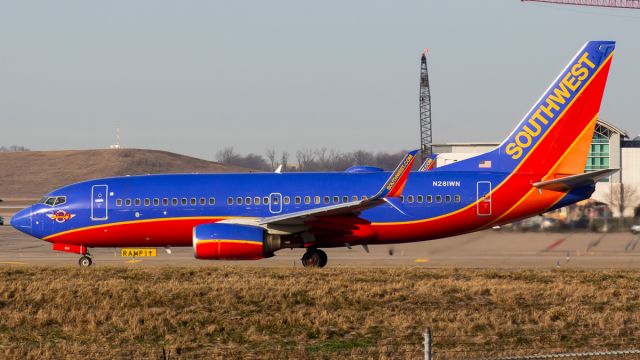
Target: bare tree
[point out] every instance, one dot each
(284, 161)
(271, 157)
(13, 148)
(362, 157)
(306, 159)
(621, 197)
(226, 155)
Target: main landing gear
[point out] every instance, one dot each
(85, 261)
(314, 258)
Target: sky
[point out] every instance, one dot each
(193, 77)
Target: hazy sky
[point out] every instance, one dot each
(195, 76)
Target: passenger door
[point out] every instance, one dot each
(483, 195)
(99, 202)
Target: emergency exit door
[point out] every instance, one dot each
(483, 193)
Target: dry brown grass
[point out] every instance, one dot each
(227, 312)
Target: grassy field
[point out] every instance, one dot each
(227, 312)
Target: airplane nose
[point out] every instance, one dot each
(22, 220)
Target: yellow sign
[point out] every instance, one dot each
(137, 252)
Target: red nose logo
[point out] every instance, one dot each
(60, 216)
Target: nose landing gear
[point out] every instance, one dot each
(314, 258)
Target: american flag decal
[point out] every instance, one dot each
(485, 164)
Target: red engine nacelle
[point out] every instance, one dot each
(233, 242)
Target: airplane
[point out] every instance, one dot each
(539, 167)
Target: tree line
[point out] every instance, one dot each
(13, 148)
(323, 159)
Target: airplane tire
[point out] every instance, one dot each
(85, 261)
(314, 258)
(323, 258)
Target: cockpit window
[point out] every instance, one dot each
(53, 200)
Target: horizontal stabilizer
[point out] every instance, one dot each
(574, 181)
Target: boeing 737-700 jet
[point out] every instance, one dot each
(537, 168)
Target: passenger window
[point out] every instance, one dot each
(419, 199)
(256, 200)
(456, 198)
(354, 198)
(336, 199)
(307, 200)
(165, 201)
(276, 200)
(401, 198)
(410, 199)
(118, 202)
(265, 200)
(298, 200)
(247, 200)
(364, 197)
(447, 198)
(147, 202)
(438, 198)
(345, 199)
(286, 200)
(326, 199)
(230, 201)
(429, 198)
(127, 202)
(193, 201)
(316, 199)
(183, 201)
(156, 202)
(212, 201)
(174, 201)
(238, 200)
(203, 201)
(138, 202)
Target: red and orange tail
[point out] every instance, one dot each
(554, 137)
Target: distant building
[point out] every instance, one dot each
(611, 148)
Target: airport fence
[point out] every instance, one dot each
(474, 346)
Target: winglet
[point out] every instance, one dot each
(429, 163)
(395, 184)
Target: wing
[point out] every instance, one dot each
(392, 188)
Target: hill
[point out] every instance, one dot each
(30, 174)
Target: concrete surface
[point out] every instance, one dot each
(486, 249)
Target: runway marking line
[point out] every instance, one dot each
(13, 263)
(422, 260)
(133, 261)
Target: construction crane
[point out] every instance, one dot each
(627, 4)
(425, 109)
